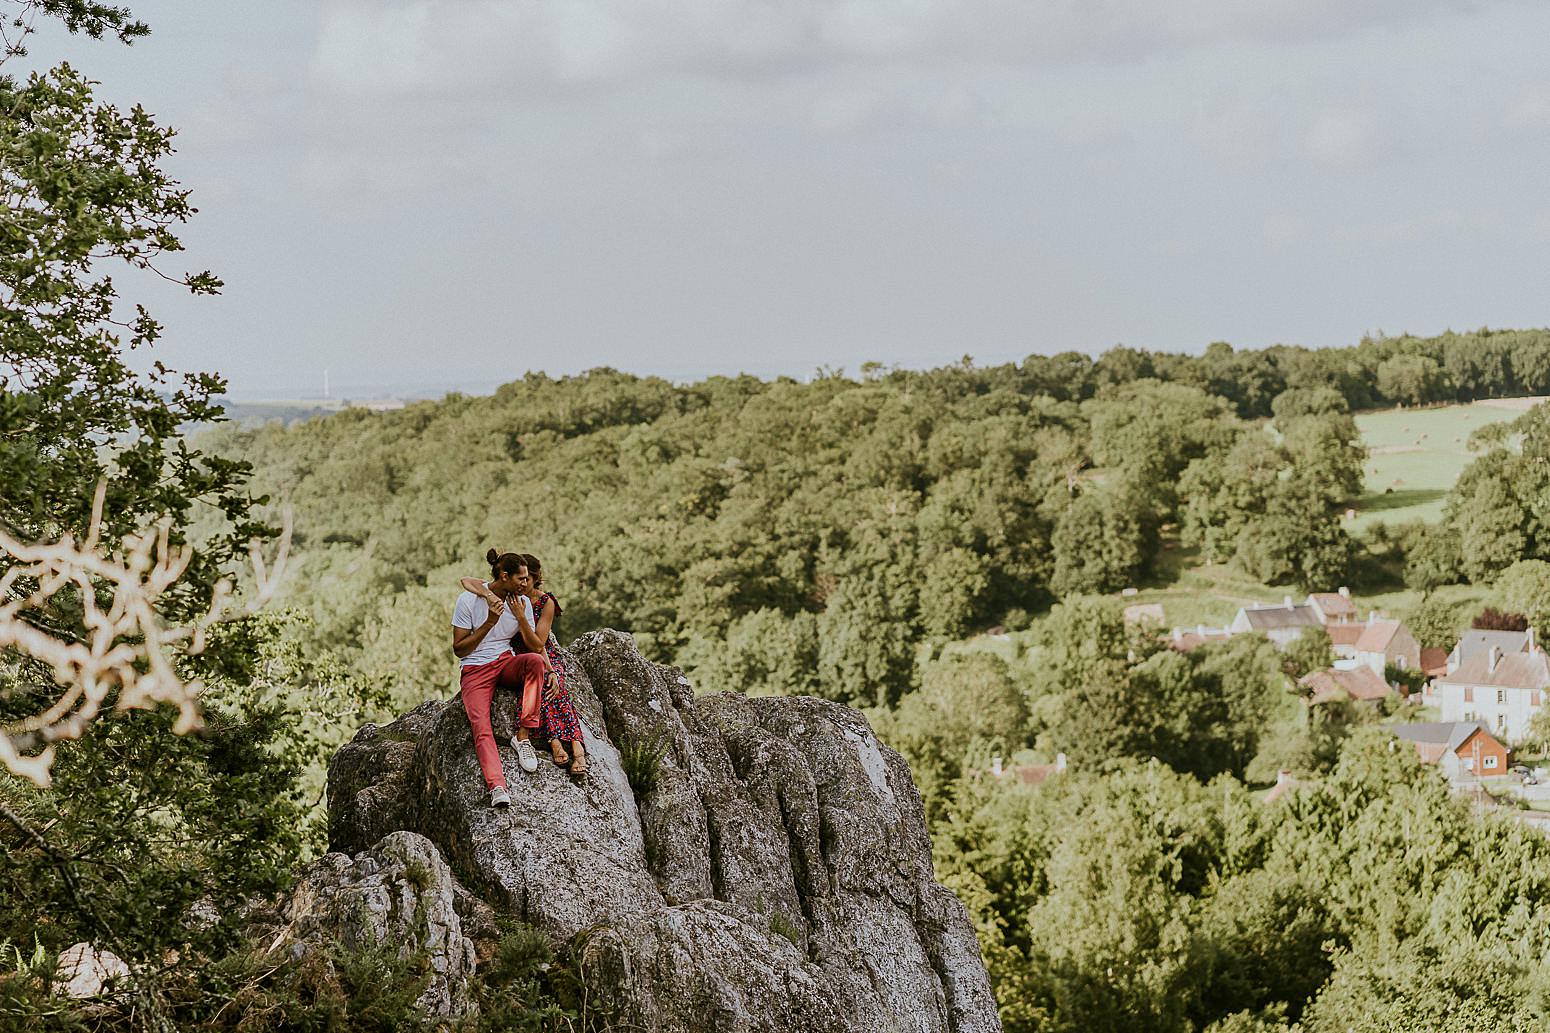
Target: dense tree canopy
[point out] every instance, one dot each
(1147, 900)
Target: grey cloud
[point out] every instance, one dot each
(412, 46)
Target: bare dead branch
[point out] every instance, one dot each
(127, 658)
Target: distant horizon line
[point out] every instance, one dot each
(408, 388)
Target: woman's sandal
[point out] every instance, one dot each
(578, 766)
(557, 761)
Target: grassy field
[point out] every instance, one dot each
(1193, 593)
(1417, 454)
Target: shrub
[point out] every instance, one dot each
(341, 990)
(780, 925)
(521, 988)
(1492, 619)
(641, 757)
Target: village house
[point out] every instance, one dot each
(1372, 643)
(1502, 689)
(1357, 683)
(1476, 643)
(1281, 624)
(1462, 749)
(1376, 643)
(1333, 607)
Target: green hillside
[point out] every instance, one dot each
(1416, 455)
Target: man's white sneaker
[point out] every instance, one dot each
(525, 755)
(499, 797)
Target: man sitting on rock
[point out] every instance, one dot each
(481, 639)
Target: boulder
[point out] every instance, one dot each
(400, 893)
(86, 971)
(776, 876)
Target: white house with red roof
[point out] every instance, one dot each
(1381, 642)
(1373, 643)
(1333, 607)
(1502, 689)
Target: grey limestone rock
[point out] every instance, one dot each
(778, 876)
(400, 892)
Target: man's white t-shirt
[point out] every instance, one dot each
(472, 611)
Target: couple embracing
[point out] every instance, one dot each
(502, 636)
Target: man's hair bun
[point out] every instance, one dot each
(491, 556)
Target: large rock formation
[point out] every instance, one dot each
(400, 895)
(776, 877)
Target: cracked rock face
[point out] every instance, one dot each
(776, 877)
(398, 893)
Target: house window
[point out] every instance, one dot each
(1501, 696)
(1469, 763)
(1489, 761)
(1469, 694)
(1501, 722)
(1401, 663)
(1533, 698)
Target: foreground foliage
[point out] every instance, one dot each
(522, 988)
(150, 842)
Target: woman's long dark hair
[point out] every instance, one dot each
(535, 570)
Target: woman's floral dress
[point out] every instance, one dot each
(558, 715)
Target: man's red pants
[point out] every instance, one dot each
(523, 673)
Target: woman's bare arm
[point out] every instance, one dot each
(545, 622)
(478, 587)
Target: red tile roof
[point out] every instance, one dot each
(1345, 634)
(1187, 640)
(1360, 684)
(1377, 636)
(1333, 604)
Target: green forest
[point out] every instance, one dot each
(843, 536)
(941, 549)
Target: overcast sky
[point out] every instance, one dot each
(446, 193)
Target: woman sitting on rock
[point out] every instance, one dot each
(484, 622)
(557, 712)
